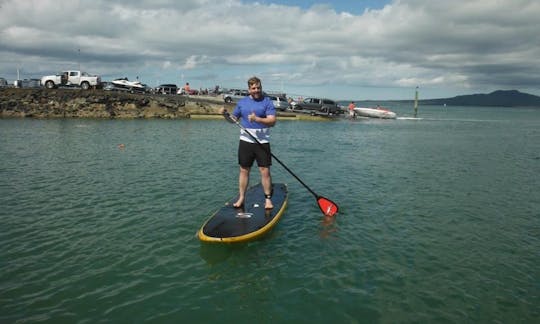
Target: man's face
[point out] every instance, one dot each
(255, 90)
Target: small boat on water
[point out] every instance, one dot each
(378, 112)
(132, 86)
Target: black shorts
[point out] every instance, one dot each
(249, 152)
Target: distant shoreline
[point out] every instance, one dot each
(499, 98)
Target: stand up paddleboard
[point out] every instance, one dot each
(249, 222)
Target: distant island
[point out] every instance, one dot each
(501, 98)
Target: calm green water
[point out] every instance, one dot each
(439, 221)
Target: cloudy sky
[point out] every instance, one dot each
(337, 49)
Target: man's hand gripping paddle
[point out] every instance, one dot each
(327, 206)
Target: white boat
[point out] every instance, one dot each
(378, 112)
(133, 86)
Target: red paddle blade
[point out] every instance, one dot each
(327, 206)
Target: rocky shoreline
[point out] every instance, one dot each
(76, 103)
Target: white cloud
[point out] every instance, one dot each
(454, 45)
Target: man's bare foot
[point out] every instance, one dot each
(268, 204)
(239, 203)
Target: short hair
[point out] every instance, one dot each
(253, 80)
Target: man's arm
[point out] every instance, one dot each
(269, 120)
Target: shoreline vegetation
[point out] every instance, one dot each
(76, 103)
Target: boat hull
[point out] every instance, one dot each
(375, 113)
(132, 86)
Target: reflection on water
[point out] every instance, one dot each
(328, 226)
(214, 253)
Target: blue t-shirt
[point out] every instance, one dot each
(262, 108)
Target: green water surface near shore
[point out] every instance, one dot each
(439, 221)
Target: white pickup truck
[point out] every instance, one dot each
(71, 79)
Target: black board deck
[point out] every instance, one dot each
(230, 224)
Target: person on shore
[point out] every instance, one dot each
(257, 114)
(187, 88)
(351, 110)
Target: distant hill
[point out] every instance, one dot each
(504, 98)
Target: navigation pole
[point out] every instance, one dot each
(416, 103)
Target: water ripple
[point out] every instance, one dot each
(438, 222)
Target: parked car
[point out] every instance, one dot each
(27, 83)
(279, 102)
(318, 106)
(234, 95)
(166, 89)
(71, 79)
(3, 83)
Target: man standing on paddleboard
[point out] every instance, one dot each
(257, 114)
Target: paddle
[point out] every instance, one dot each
(327, 206)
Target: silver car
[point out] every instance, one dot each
(235, 95)
(280, 103)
